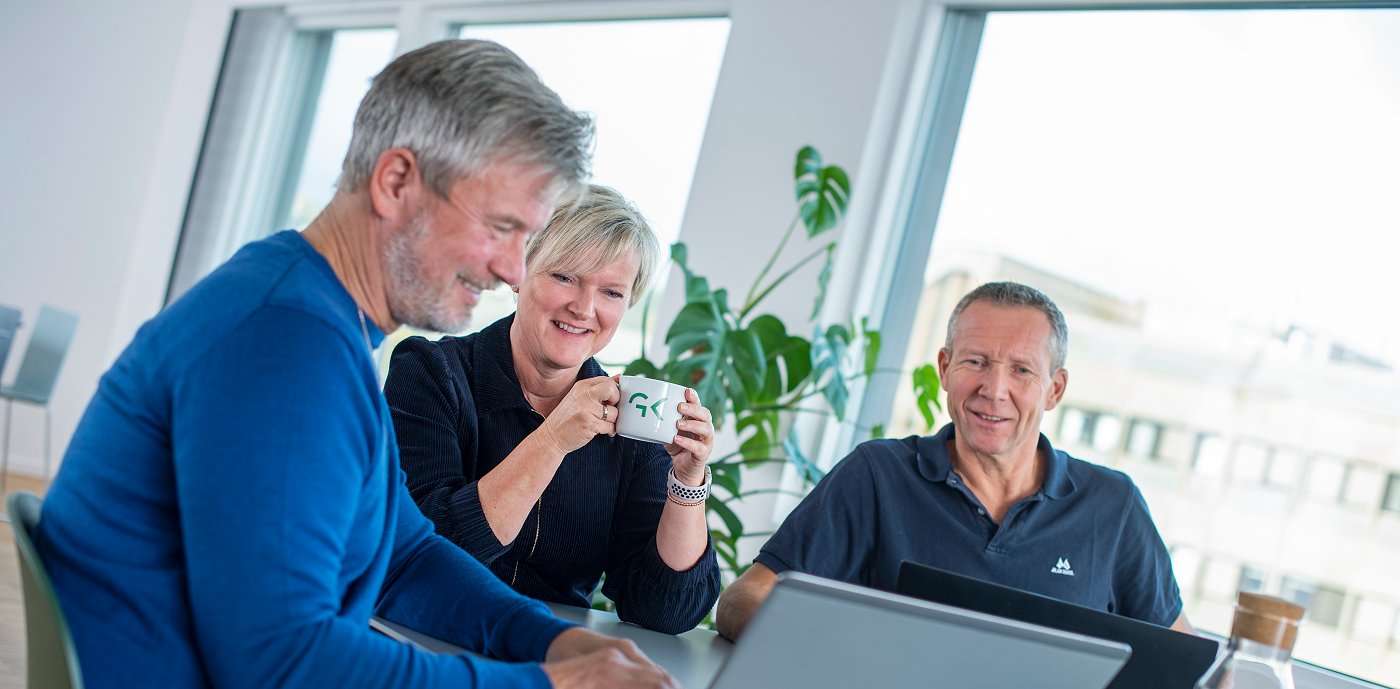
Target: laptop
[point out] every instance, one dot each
(1162, 658)
(821, 634)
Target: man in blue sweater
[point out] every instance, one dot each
(230, 511)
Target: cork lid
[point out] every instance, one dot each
(1267, 620)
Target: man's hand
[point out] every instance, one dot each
(584, 659)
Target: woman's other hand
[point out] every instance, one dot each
(695, 439)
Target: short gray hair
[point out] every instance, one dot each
(594, 231)
(1017, 294)
(461, 105)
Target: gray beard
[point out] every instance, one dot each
(412, 301)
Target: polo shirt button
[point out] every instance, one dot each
(953, 481)
(981, 511)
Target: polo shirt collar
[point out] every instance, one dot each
(495, 386)
(936, 465)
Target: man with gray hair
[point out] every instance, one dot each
(230, 511)
(987, 496)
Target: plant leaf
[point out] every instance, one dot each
(642, 367)
(731, 521)
(872, 346)
(926, 389)
(760, 446)
(726, 475)
(823, 278)
(822, 192)
(877, 431)
(805, 468)
(828, 366)
(750, 364)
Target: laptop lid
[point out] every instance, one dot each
(1162, 658)
(817, 634)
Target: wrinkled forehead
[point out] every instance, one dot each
(1008, 331)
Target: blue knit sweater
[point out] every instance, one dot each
(230, 510)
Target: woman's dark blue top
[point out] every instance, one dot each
(458, 411)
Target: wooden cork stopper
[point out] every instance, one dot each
(1267, 620)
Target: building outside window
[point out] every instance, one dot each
(1392, 494)
(1143, 438)
(1211, 455)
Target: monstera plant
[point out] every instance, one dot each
(754, 371)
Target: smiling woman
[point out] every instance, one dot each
(508, 435)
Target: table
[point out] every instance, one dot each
(692, 658)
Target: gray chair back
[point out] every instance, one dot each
(48, 344)
(52, 660)
(9, 324)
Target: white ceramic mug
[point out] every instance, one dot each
(649, 409)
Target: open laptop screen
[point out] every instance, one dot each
(817, 633)
(1162, 658)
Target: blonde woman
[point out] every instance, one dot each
(508, 435)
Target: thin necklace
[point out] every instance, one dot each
(364, 330)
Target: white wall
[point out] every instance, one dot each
(85, 91)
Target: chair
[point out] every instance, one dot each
(52, 660)
(53, 331)
(9, 323)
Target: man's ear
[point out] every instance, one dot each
(396, 185)
(1058, 383)
(943, 356)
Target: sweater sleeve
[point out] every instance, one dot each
(435, 588)
(646, 590)
(435, 424)
(275, 438)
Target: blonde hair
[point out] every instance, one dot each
(591, 232)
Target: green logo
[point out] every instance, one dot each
(642, 407)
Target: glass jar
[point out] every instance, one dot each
(1260, 653)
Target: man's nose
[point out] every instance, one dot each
(509, 264)
(994, 383)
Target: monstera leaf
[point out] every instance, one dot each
(822, 192)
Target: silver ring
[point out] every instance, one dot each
(605, 412)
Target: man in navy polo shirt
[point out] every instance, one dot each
(987, 496)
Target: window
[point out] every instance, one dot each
(1364, 485)
(1107, 429)
(1221, 578)
(1143, 438)
(1073, 425)
(1209, 459)
(1131, 191)
(1373, 619)
(1186, 564)
(1326, 476)
(1392, 494)
(1252, 579)
(356, 55)
(1298, 590)
(1327, 606)
(1251, 460)
(648, 85)
(1283, 468)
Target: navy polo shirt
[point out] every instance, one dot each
(1085, 537)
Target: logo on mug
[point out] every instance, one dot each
(642, 407)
